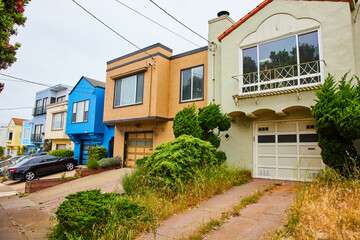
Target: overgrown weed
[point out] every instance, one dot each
(327, 208)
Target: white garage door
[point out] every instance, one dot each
(286, 150)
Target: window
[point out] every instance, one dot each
(38, 129)
(60, 146)
(192, 84)
(26, 134)
(129, 90)
(291, 61)
(60, 99)
(44, 104)
(38, 107)
(52, 100)
(57, 121)
(80, 112)
(51, 158)
(10, 136)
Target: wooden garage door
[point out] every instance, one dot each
(287, 150)
(138, 145)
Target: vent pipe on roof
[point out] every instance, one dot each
(221, 13)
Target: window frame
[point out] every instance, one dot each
(61, 98)
(61, 121)
(85, 113)
(192, 86)
(26, 137)
(135, 92)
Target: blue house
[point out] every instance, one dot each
(25, 136)
(84, 124)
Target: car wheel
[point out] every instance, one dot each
(69, 166)
(29, 175)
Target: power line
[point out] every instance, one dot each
(157, 23)
(111, 28)
(179, 21)
(17, 108)
(24, 80)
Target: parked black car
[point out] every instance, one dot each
(33, 167)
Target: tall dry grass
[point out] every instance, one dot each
(328, 208)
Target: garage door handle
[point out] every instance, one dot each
(311, 149)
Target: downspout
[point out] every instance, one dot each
(151, 76)
(212, 48)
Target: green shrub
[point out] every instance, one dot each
(92, 163)
(97, 153)
(62, 153)
(337, 118)
(106, 162)
(90, 215)
(2, 150)
(186, 122)
(178, 159)
(141, 161)
(207, 125)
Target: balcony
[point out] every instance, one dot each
(36, 138)
(292, 78)
(39, 111)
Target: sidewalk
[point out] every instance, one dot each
(185, 224)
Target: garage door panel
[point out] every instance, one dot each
(266, 149)
(310, 150)
(307, 126)
(309, 162)
(266, 127)
(309, 175)
(288, 161)
(288, 173)
(266, 160)
(140, 135)
(286, 127)
(148, 135)
(287, 149)
(139, 150)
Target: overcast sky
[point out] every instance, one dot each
(61, 43)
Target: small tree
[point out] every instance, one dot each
(47, 145)
(23, 150)
(2, 151)
(337, 118)
(207, 126)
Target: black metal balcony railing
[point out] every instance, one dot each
(39, 111)
(36, 137)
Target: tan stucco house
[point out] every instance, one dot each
(144, 90)
(267, 67)
(56, 125)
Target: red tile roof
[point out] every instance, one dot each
(258, 8)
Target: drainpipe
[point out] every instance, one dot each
(212, 48)
(151, 76)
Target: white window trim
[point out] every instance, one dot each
(61, 121)
(75, 109)
(121, 89)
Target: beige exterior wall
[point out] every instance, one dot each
(161, 95)
(338, 43)
(57, 136)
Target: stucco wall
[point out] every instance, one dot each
(338, 37)
(52, 109)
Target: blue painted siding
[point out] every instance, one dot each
(93, 129)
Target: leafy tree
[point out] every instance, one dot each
(11, 15)
(47, 145)
(23, 150)
(337, 116)
(207, 126)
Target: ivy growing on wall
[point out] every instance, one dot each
(337, 117)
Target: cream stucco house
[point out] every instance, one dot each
(264, 70)
(56, 126)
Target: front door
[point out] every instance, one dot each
(86, 144)
(137, 145)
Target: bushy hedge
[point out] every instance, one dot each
(337, 118)
(90, 215)
(95, 154)
(107, 162)
(179, 159)
(62, 153)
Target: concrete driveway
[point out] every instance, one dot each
(27, 216)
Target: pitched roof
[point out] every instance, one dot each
(19, 121)
(93, 82)
(257, 9)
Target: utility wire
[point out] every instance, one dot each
(157, 23)
(16, 108)
(179, 21)
(24, 80)
(111, 28)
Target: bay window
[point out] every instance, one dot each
(129, 90)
